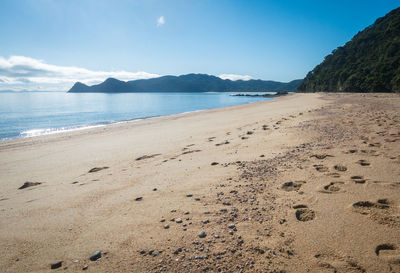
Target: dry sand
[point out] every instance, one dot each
(304, 183)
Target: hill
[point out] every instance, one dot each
(367, 63)
(184, 83)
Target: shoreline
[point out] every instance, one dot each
(117, 124)
(274, 185)
(91, 126)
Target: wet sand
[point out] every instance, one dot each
(303, 183)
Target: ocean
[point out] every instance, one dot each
(28, 114)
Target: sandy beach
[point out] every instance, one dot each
(302, 183)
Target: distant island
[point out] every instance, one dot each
(185, 83)
(370, 62)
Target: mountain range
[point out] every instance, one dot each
(184, 83)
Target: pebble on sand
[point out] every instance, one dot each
(139, 198)
(202, 234)
(29, 184)
(56, 264)
(95, 256)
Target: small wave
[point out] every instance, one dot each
(48, 131)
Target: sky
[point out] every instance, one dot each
(50, 44)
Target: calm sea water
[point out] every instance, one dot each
(30, 114)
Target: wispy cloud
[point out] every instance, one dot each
(160, 21)
(19, 72)
(235, 77)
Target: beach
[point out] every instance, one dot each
(301, 183)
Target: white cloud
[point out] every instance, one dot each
(160, 21)
(235, 77)
(19, 72)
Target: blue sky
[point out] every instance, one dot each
(93, 39)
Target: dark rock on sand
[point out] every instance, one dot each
(95, 256)
(56, 264)
(29, 184)
(177, 251)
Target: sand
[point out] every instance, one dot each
(303, 183)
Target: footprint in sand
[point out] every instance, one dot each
(222, 143)
(382, 249)
(334, 175)
(292, 186)
(321, 168)
(370, 152)
(333, 187)
(358, 179)
(190, 151)
(332, 263)
(367, 207)
(363, 162)
(389, 253)
(147, 156)
(340, 168)
(303, 213)
(96, 169)
(381, 211)
(321, 156)
(376, 144)
(390, 140)
(365, 138)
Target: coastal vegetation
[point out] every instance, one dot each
(370, 62)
